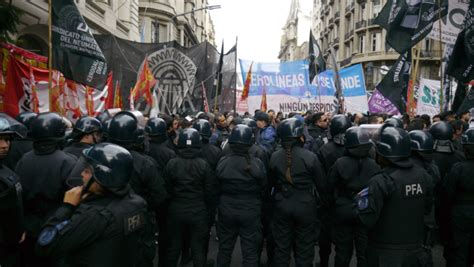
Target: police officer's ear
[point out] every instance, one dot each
(302, 139)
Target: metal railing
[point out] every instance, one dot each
(361, 24)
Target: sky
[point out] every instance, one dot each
(257, 24)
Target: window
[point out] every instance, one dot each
(376, 41)
(155, 32)
(347, 50)
(361, 43)
(427, 45)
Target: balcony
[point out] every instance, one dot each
(371, 23)
(331, 20)
(336, 42)
(349, 8)
(346, 61)
(430, 54)
(349, 35)
(337, 14)
(360, 24)
(326, 10)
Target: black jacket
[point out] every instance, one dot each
(190, 182)
(43, 178)
(161, 153)
(101, 231)
(18, 148)
(76, 149)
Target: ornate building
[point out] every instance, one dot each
(348, 27)
(136, 20)
(294, 41)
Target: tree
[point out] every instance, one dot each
(9, 19)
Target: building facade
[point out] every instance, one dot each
(295, 37)
(347, 26)
(136, 20)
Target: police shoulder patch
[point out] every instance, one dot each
(133, 222)
(49, 233)
(362, 199)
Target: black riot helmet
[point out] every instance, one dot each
(337, 128)
(6, 128)
(394, 143)
(394, 122)
(188, 138)
(48, 126)
(26, 118)
(123, 128)
(442, 131)
(421, 141)
(355, 137)
(468, 137)
(155, 127)
(291, 128)
(88, 125)
(20, 130)
(112, 165)
(241, 134)
(250, 123)
(203, 127)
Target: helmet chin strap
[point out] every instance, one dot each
(86, 188)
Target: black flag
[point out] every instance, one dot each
(394, 85)
(468, 102)
(75, 52)
(408, 22)
(461, 63)
(316, 60)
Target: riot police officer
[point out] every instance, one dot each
(350, 174)
(328, 154)
(19, 145)
(192, 187)
(209, 152)
(422, 156)
(459, 189)
(43, 173)
(11, 206)
(101, 222)
(87, 132)
(156, 131)
(400, 194)
(445, 156)
(146, 181)
(295, 172)
(242, 182)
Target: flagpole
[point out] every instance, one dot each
(50, 50)
(415, 76)
(441, 95)
(235, 82)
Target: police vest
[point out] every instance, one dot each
(400, 224)
(11, 207)
(122, 240)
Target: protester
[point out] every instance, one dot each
(87, 132)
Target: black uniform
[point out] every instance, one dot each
(347, 177)
(295, 206)
(42, 173)
(76, 148)
(148, 183)
(396, 196)
(101, 231)
(254, 151)
(459, 187)
(242, 181)
(18, 148)
(319, 137)
(328, 154)
(211, 154)
(191, 186)
(11, 224)
(161, 153)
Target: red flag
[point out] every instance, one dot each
(117, 96)
(145, 82)
(263, 103)
(204, 96)
(109, 102)
(248, 79)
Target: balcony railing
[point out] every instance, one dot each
(346, 61)
(331, 20)
(337, 14)
(361, 24)
(350, 7)
(371, 22)
(430, 53)
(348, 34)
(336, 41)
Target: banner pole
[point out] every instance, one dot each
(441, 91)
(235, 75)
(414, 77)
(50, 52)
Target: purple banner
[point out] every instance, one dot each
(378, 104)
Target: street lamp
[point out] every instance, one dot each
(207, 7)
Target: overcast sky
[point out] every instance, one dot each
(257, 23)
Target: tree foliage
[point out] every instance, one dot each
(9, 19)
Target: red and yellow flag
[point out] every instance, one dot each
(145, 82)
(248, 80)
(117, 96)
(263, 104)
